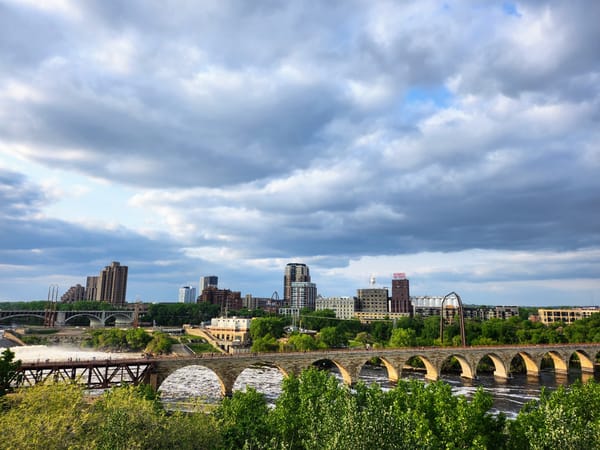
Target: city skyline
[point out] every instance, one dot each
(454, 141)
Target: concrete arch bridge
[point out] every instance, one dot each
(62, 318)
(227, 368)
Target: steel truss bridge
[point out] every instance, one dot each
(93, 374)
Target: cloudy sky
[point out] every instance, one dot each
(456, 141)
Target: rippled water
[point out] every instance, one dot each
(196, 382)
(38, 353)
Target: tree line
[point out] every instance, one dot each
(268, 333)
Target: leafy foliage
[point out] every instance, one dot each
(566, 418)
(160, 344)
(314, 411)
(8, 370)
(134, 339)
(58, 416)
(263, 326)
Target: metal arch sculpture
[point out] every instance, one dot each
(460, 315)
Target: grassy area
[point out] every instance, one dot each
(41, 330)
(34, 340)
(202, 347)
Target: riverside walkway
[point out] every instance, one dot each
(107, 373)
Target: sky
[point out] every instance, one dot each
(455, 141)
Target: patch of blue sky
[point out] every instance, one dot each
(440, 96)
(510, 8)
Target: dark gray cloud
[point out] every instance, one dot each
(269, 130)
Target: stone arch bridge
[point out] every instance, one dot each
(350, 362)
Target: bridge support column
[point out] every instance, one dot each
(95, 323)
(60, 319)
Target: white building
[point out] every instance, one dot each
(232, 333)
(344, 307)
(187, 294)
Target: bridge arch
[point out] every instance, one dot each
(87, 315)
(277, 374)
(586, 363)
(392, 371)
(465, 366)
(196, 378)
(348, 375)
(22, 314)
(561, 363)
(501, 369)
(432, 373)
(532, 368)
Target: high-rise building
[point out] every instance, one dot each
(400, 294)
(112, 284)
(91, 289)
(294, 272)
(208, 281)
(187, 294)
(74, 294)
(303, 295)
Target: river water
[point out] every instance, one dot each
(196, 383)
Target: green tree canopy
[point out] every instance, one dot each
(261, 326)
(8, 370)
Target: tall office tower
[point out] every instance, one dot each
(400, 294)
(294, 272)
(209, 281)
(91, 289)
(187, 294)
(303, 294)
(112, 284)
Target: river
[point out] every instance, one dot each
(197, 382)
(193, 383)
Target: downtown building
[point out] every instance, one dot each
(112, 284)
(187, 294)
(109, 286)
(294, 273)
(298, 291)
(225, 298)
(208, 281)
(400, 301)
(343, 307)
(73, 294)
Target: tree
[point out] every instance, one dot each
(302, 342)
(333, 337)
(243, 420)
(265, 343)
(160, 344)
(364, 338)
(261, 326)
(315, 320)
(381, 331)
(8, 370)
(403, 338)
(567, 419)
(47, 416)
